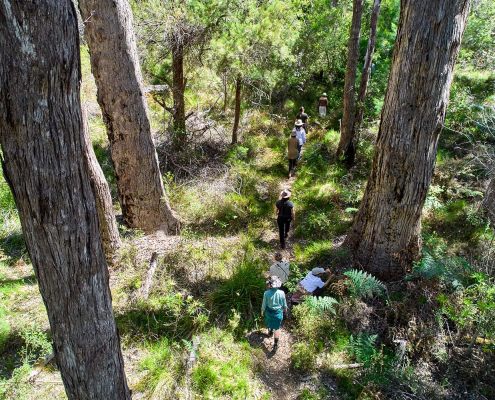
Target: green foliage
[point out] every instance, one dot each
(161, 365)
(451, 270)
(303, 356)
(363, 347)
(4, 328)
(36, 344)
(243, 292)
(363, 284)
(224, 368)
(472, 307)
(319, 305)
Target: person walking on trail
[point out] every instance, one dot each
(300, 135)
(281, 269)
(311, 285)
(284, 209)
(304, 118)
(322, 105)
(273, 308)
(292, 151)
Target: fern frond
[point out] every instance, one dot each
(363, 284)
(363, 347)
(321, 304)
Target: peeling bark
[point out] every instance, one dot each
(115, 65)
(385, 236)
(41, 133)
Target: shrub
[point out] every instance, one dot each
(304, 356)
(243, 292)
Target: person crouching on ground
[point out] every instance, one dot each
(273, 308)
(280, 269)
(284, 209)
(292, 151)
(311, 285)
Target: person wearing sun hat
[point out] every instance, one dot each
(311, 285)
(285, 212)
(300, 135)
(292, 151)
(273, 307)
(322, 105)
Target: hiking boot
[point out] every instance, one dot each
(275, 347)
(270, 332)
(282, 246)
(286, 235)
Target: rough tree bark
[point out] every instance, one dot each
(108, 224)
(363, 85)
(237, 113)
(114, 61)
(384, 238)
(178, 87)
(489, 202)
(41, 134)
(346, 144)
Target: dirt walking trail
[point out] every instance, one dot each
(276, 372)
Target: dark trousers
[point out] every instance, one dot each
(299, 150)
(292, 164)
(283, 228)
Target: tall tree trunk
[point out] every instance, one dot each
(237, 114)
(385, 236)
(363, 85)
(346, 144)
(489, 202)
(108, 224)
(179, 85)
(41, 133)
(114, 61)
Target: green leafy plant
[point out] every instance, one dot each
(319, 305)
(243, 292)
(363, 347)
(363, 284)
(303, 356)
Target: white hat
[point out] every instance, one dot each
(324, 94)
(285, 194)
(299, 123)
(317, 271)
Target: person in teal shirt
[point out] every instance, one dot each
(273, 307)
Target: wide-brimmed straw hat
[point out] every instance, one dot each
(324, 94)
(299, 123)
(274, 282)
(293, 134)
(285, 194)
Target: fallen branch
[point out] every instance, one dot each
(346, 366)
(149, 275)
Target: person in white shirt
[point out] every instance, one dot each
(311, 285)
(300, 135)
(280, 269)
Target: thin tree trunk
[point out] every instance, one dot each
(489, 202)
(385, 236)
(238, 87)
(114, 61)
(179, 109)
(108, 224)
(225, 93)
(346, 148)
(41, 134)
(363, 86)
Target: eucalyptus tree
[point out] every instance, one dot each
(385, 236)
(43, 158)
(108, 29)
